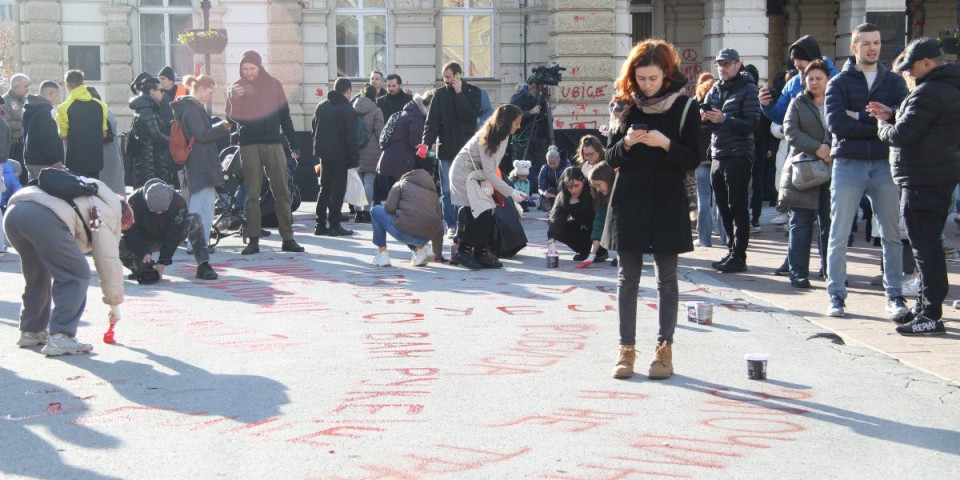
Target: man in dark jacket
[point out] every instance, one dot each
(42, 145)
(335, 142)
(257, 104)
(925, 153)
(83, 126)
(531, 142)
(861, 165)
(735, 109)
(395, 99)
(161, 222)
(451, 122)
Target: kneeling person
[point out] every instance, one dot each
(162, 223)
(411, 214)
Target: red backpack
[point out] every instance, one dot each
(179, 146)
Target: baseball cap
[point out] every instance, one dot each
(918, 50)
(727, 55)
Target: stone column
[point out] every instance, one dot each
(318, 72)
(414, 37)
(117, 58)
(581, 40)
(285, 55)
(39, 50)
(739, 24)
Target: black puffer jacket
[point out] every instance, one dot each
(925, 139)
(153, 160)
(738, 100)
(452, 119)
(335, 131)
(856, 139)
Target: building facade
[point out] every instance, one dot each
(308, 43)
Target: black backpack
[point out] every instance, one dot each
(66, 186)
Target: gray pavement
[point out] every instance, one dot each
(319, 366)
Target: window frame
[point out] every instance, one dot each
(169, 37)
(466, 12)
(359, 12)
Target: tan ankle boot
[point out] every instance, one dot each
(624, 368)
(662, 365)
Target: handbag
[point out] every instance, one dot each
(808, 171)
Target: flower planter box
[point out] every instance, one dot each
(205, 42)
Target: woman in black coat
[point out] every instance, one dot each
(571, 219)
(654, 141)
(152, 160)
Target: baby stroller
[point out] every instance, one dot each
(229, 217)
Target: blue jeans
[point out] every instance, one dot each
(851, 179)
(449, 210)
(704, 206)
(801, 235)
(383, 223)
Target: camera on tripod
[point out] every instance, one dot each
(147, 273)
(547, 75)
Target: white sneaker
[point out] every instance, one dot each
(897, 307)
(63, 344)
(451, 232)
(382, 259)
(780, 219)
(32, 339)
(420, 257)
(953, 256)
(910, 286)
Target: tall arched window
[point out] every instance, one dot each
(466, 28)
(361, 37)
(160, 23)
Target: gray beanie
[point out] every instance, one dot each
(158, 195)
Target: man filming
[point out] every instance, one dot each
(531, 142)
(161, 223)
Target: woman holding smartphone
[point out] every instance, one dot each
(654, 140)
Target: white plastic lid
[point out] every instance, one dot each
(756, 356)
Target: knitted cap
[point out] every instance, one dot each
(167, 72)
(158, 195)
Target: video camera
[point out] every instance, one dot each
(547, 75)
(147, 273)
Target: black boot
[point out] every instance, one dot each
(486, 258)
(205, 272)
(252, 247)
(465, 257)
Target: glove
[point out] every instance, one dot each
(422, 150)
(114, 315)
(518, 196)
(586, 263)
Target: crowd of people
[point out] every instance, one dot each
(425, 166)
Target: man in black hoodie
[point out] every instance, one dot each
(735, 109)
(42, 147)
(451, 122)
(257, 104)
(925, 158)
(335, 143)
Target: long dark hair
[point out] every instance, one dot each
(563, 196)
(497, 127)
(601, 172)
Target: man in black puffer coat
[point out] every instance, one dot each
(734, 107)
(335, 142)
(925, 162)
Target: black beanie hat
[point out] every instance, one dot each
(251, 56)
(144, 83)
(167, 72)
(799, 53)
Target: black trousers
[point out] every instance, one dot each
(925, 210)
(193, 230)
(381, 187)
(576, 236)
(476, 232)
(333, 186)
(729, 177)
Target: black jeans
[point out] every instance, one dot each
(668, 296)
(576, 236)
(193, 230)
(333, 186)
(925, 210)
(476, 232)
(729, 177)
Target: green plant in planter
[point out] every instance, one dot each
(950, 41)
(203, 42)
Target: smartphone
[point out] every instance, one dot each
(639, 126)
(459, 77)
(706, 108)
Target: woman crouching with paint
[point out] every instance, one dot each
(654, 141)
